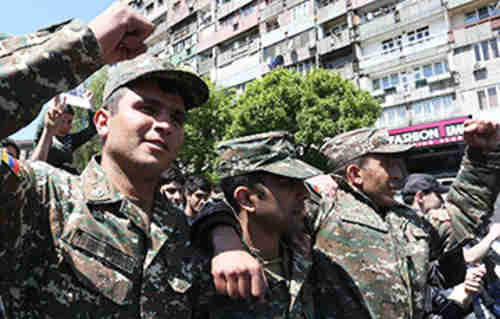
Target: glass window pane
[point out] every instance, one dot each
(486, 53)
(494, 47)
(436, 103)
(481, 97)
(394, 79)
(470, 17)
(376, 84)
(477, 53)
(483, 13)
(492, 97)
(438, 68)
(385, 82)
(428, 70)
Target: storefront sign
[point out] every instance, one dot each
(442, 132)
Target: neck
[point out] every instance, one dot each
(258, 237)
(138, 189)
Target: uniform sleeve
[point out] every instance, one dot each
(38, 66)
(472, 196)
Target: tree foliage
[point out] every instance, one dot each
(312, 107)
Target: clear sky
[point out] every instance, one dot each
(25, 16)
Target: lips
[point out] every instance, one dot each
(159, 143)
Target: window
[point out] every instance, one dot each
(149, 8)
(438, 68)
(481, 74)
(272, 25)
(484, 47)
(492, 97)
(494, 47)
(376, 84)
(428, 70)
(422, 33)
(481, 97)
(385, 82)
(483, 13)
(394, 79)
(470, 17)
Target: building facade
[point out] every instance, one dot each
(430, 62)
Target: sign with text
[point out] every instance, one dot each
(442, 132)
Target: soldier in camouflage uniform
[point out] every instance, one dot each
(263, 181)
(385, 246)
(103, 244)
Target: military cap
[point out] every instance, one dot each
(424, 183)
(354, 144)
(273, 152)
(192, 88)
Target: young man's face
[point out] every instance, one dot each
(146, 131)
(174, 192)
(197, 199)
(431, 200)
(382, 176)
(65, 123)
(281, 206)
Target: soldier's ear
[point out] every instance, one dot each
(353, 175)
(243, 196)
(101, 121)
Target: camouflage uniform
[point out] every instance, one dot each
(387, 251)
(73, 246)
(292, 296)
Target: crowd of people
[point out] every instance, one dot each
(131, 236)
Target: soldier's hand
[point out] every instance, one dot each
(473, 278)
(494, 231)
(54, 113)
(239, 275)
(481, 134)
(121, 32)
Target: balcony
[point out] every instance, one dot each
(426, 47)
(331, 11)
(407, 12)
(160, 30)
(346, 71)
(230, 7)
(183, 32)
(452, 4)
(334, 42)
(473, 34)
(292, 3)
(206, 65)
(231, 55)
(413, 95)
(356, 4)
(272, 9)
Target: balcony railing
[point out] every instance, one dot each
(272, 9)
(231, 55)
(452, 4)
(334, 42)
(473, 34)
(184, 31)
(230, 7)
(406, 13)
(331, 11)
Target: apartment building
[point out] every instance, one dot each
(430, 62)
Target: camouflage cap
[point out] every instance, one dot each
(192, 88)
(353, 144)
(272, 152)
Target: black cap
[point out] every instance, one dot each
(423, 182)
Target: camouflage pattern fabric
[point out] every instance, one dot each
(357, 143)
(387, 252)
(74, 247)
(272, 152)
(36, 67)
(191, 87)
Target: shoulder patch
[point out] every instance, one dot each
(10, 161)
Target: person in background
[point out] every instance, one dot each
(55, 144)
(172, 186)
(11, 147)
(197, 191)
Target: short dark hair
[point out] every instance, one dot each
(173, 174)
(10, 142)
(359, 161)
(229, 185)
(68, 109)
(194, 183)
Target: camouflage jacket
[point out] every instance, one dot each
(300, 295)
(387, 253)
(74, 247)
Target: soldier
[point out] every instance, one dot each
(263, 181)
(385, 246)
(102, 244)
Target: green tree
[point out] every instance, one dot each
(313, 107)
(205, 127)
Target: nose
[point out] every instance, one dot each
(164, 121)
(177, 196)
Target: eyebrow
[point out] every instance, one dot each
(149, 100)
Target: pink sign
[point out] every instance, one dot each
(442, 132)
